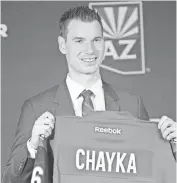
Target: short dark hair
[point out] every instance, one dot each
(83, 13)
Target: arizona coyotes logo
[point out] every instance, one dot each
(123, 33)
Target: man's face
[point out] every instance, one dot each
(84, 46)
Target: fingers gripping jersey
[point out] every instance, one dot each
(110, 147)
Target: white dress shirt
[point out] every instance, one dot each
(75, 90)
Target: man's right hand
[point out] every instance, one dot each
(43, 127)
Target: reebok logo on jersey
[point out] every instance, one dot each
(114, 131)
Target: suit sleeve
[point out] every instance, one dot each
(20, 165)
(142, 113)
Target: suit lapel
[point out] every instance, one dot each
(111, 98)
(63, 101)
(64, 106)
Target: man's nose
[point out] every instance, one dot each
(90, 47)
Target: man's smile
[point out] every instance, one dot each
(90, 59)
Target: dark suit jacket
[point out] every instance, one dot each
(57, 101)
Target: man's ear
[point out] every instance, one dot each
(104, 51)
(62, 44)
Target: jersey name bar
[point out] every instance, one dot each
(103, 161)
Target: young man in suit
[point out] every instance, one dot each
(81, 40)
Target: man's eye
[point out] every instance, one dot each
(97, 40)
(79, 41)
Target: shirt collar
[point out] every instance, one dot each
(75, 88)
(97, 87)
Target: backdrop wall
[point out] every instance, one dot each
(32, 63)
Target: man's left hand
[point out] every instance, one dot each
(168, 128)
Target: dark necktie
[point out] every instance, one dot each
(87, 105)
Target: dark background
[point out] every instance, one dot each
(31, 61)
